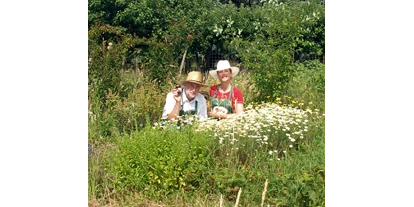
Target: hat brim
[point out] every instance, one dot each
(196, 82)
(234, 72)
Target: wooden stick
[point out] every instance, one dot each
(238, 198)
(264, 193)
(183, 60)
(221, 200)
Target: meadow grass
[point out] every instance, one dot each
(208, 163)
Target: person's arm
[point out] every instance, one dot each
(172, 105)
(238, 102)
(239, 108)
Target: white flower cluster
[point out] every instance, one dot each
(267, 123)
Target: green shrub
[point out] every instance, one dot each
(307, 84)
(161, 160)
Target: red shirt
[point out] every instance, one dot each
(236, 95)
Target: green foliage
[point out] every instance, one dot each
(294, 30)
(139, 99)
(270, 68)
(278, 35)
(160, 63)
(300, 180)
(110, 50)
(299, 189)
(309, 39)
(99, 181)
(308, 83)
(160, 161)
(131, 113)
(107, 49)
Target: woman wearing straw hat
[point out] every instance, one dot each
(226, 100)
(187, 100)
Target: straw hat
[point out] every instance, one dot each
(222, 65)
(194, 77)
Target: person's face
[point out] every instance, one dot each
(191, 90)
(224, 75)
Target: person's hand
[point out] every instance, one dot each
(215, 114)
(177, 93)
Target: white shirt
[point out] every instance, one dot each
(187, 105)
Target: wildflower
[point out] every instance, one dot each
(260, 120)
(221, 140)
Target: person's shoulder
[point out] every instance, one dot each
(213, 87)
(169, 95)
(235, 89)
(200, 97)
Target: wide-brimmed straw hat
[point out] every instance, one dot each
(222, 65)
(194, 77)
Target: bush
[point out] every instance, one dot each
(308, 83)
(160, 161)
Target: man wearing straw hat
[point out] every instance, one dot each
(187, 100)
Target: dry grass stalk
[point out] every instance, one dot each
(221, 200)
(238, 198)
(264, 193)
